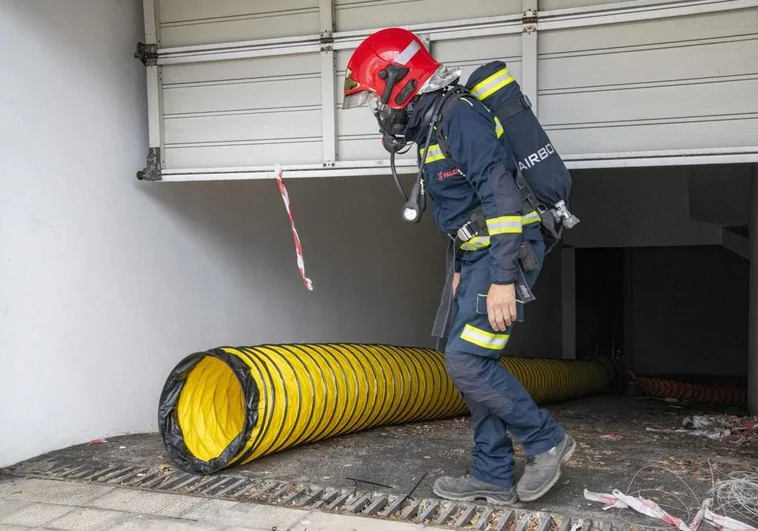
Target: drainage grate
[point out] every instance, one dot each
(304, 496)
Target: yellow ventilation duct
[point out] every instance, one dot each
(230, 406)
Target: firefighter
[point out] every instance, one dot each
(393, 74)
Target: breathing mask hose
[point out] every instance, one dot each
(394, 175)
(416, 203)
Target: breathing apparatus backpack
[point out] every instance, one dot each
(543, 178)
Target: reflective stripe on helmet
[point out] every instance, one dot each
(407, 54)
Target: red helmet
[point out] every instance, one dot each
(388, 68)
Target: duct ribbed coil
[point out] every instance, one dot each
(229, 406)
(685, 391)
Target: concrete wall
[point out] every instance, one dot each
(721, 194)
(637, 207)
(106, 282)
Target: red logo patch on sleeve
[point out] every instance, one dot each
(442, 175)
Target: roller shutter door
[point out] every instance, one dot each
(235, 87)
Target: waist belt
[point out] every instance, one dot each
(476, 226)
(474, 235)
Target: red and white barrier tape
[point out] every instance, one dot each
(298, 245)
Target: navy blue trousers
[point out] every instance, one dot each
(498, 402)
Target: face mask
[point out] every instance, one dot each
(392, 124)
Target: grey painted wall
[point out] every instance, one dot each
(721, 194)
(637, 207)
(105, 282)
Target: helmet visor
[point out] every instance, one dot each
(359, 99)
(367, 99)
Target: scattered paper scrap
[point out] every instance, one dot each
(721, 427)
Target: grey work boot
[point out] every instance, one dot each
(543, 470)
(468, 488)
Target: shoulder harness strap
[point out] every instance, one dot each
(460, 93)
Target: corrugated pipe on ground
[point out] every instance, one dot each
(706, 394)
(229, 406)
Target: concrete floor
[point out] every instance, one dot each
(625, 443)
(47, 504)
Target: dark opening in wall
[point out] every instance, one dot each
(599, 302)
(676, 312)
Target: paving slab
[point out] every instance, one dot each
(9, 486)
(246, 528)
(152, 503)
(46, 491)
(318, 521)
(149, 523)
(8, 507)
(85, 520)
(228, 513)
(35, 514)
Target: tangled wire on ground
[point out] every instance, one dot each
(738, 494)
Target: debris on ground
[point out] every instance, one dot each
(738, 494)
(721, 427)
(650, 508)
(721, 522)
(612, 437)
(641, 505)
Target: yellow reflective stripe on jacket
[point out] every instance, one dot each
(434, 154)
(504, 225)
(492, 84)
(476, 243)
(482, 242)
(484, 339)
(531, 217)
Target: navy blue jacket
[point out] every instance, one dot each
(482, 171)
